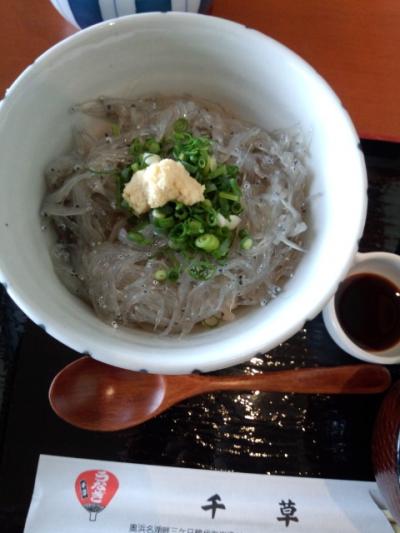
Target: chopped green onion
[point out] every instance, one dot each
(173, 274)
(181, 125)
(178, 232)
(225, 231)
(126, 174)
(224, 207)
(236, 208)
(190, 168)
(136, 147)
(235, 187)
(243, 233)
(192, 231)
(181, 211)
(246, 243)
(207, 242)
(138, 237)
(151, 145)
(164, 223)
(212, 162)
(211, 187)
(211, 218)
(202, 162)
(206, 203)
(232, 170)
(193, 226)
(161, 275)
(201, 270)
(229, 196)
(223, 249)
(219, 171)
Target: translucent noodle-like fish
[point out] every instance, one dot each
(95, 259)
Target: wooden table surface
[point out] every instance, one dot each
(354, 44)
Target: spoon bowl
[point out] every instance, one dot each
(99, 397)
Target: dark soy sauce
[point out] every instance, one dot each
(368, 309)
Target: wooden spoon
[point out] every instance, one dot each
(92, 395)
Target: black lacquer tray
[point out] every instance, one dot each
(320, 436)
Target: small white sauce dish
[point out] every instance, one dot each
(384, 265)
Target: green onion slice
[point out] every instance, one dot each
(164, 223)
(181, 125)
(138, 237)
(229, 196)
(207, 242)
(246, 243)
(152, 146)
(161, 275)
(173, 274)
(201, 270)
(193, 226)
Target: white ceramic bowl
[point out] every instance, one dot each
(254, 75)
(387, 266)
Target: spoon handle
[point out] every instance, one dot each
(352, 379)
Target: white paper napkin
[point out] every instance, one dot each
(80, 496)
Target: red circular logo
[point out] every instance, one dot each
(95, 489)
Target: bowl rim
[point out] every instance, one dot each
(243, 352)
